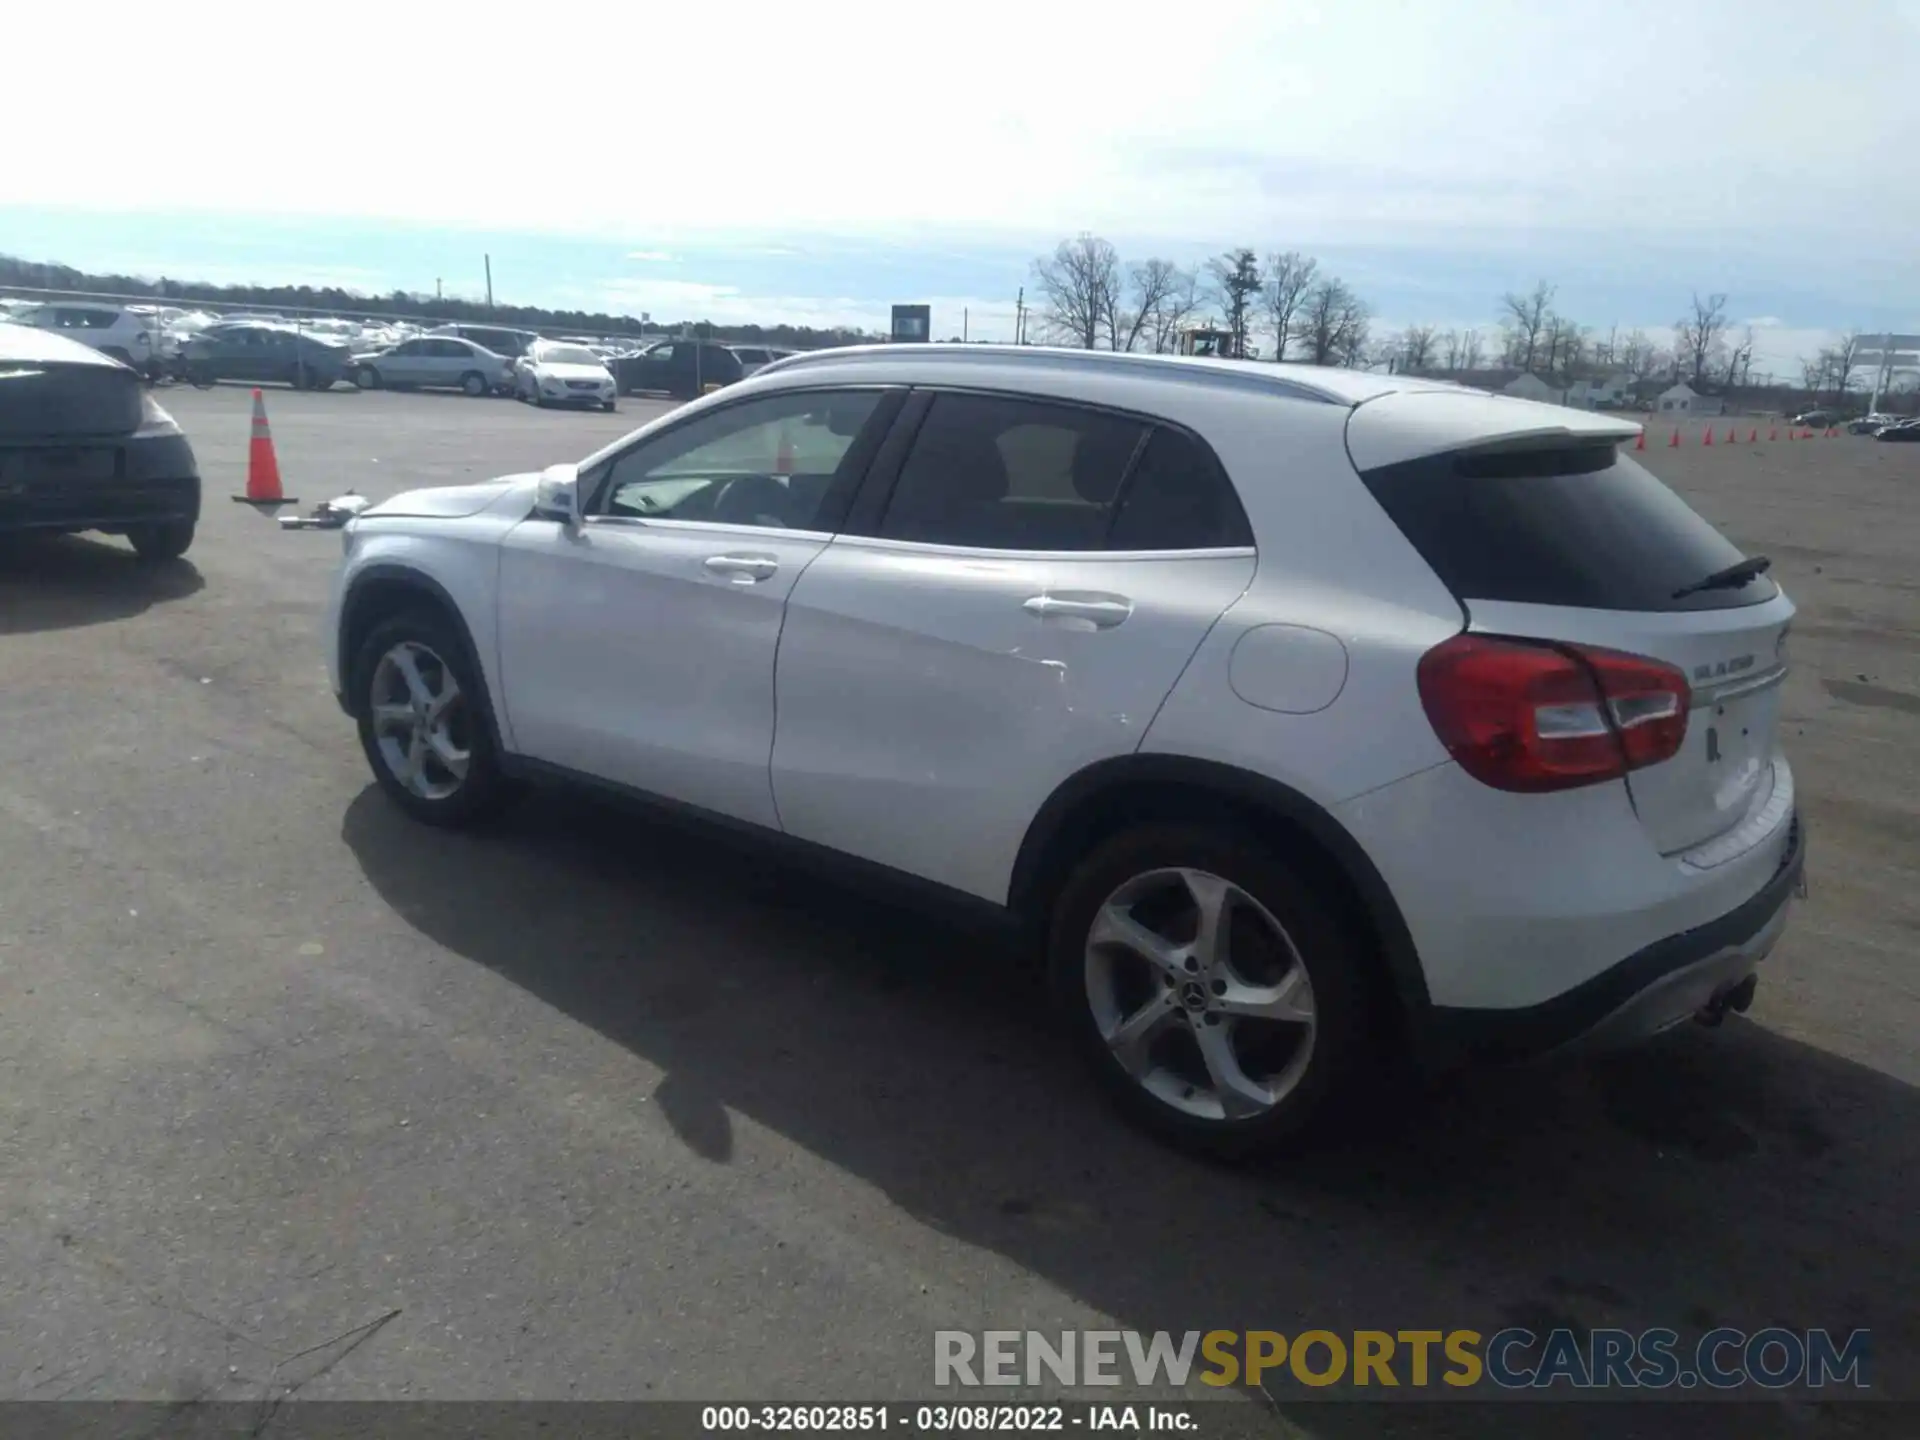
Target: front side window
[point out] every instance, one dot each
(770, 462)
(1000, 473)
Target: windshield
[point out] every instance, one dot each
(567, 355)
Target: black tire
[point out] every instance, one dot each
(610, 406)
(202, 377)
(485, 787)
(474, 384)
(156, 544)
(1337, 962)
(319, 382)
(367, 378)
(299, 378)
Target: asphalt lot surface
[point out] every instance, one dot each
(299, 1096)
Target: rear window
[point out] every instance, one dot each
(65, 400)
(1583, 527)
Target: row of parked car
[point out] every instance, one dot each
(168, 342)
(1877, 424)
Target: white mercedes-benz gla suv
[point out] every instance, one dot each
(1294, 713)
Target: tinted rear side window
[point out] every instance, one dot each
(1178, 498)
(999, 473)
(1583, 527)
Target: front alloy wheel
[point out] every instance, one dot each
(423, 730)
(423, 721)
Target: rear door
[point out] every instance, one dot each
(1022, 584)
(1570, 540)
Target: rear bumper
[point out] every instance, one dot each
(1651, 990)
(156, 481)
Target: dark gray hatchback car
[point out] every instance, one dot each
(84, 446)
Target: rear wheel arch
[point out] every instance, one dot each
(382, 591)
(1134, 790)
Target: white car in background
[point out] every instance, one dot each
(132, 334)
(1297, 716)
(757, 357)
(556, 373)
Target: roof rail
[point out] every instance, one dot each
(1225, 374)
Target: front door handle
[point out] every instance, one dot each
(1103, 611)
(742, 569)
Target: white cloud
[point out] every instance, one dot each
(655, 256)
(1364, 120)
(672, 301)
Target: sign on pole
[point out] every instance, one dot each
(1888, 355)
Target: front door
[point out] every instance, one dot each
(639, 648)
(405, 364)
(1040, 577)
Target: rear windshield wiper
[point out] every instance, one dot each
(1731, 578)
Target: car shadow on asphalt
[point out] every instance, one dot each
(1725, 1177)
(69, 581)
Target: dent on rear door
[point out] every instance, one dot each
(927, 708)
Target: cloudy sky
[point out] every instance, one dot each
(816, 161)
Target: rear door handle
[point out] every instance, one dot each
(1104, 611)
(743, 569)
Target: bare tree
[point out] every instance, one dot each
(1289, 276)
(1416, 349)
(1181, 302)
(1846, 353)
(1527, 321)
(1148, 286)
(1236, 285)
(1697, 338)
(1565, 343)
(1636, 355)
(1739, 360)
(1473, 351)
(1332, 323)
(1450, 348)
(1605, 354)
(1080, 284)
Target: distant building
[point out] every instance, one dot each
(1686, 399)
(1523, 384)
(1604, 392)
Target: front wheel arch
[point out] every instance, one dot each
(380, 591)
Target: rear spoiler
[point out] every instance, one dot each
(1416, 424)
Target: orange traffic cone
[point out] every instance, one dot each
(1731, 437)
(1832, 431)
(1707, 439)
(1774, 433)
(1641, 443)
(1754, 438)
(1674, 443)
(263, 469)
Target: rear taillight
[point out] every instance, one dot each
(1529, 716)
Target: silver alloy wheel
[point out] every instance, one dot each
(420, 721)
(1200, 994)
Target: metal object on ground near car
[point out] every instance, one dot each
(328, 514)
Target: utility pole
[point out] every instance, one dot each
(437, 293)
(1020, 317)
(965, 332)
(489, 263)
